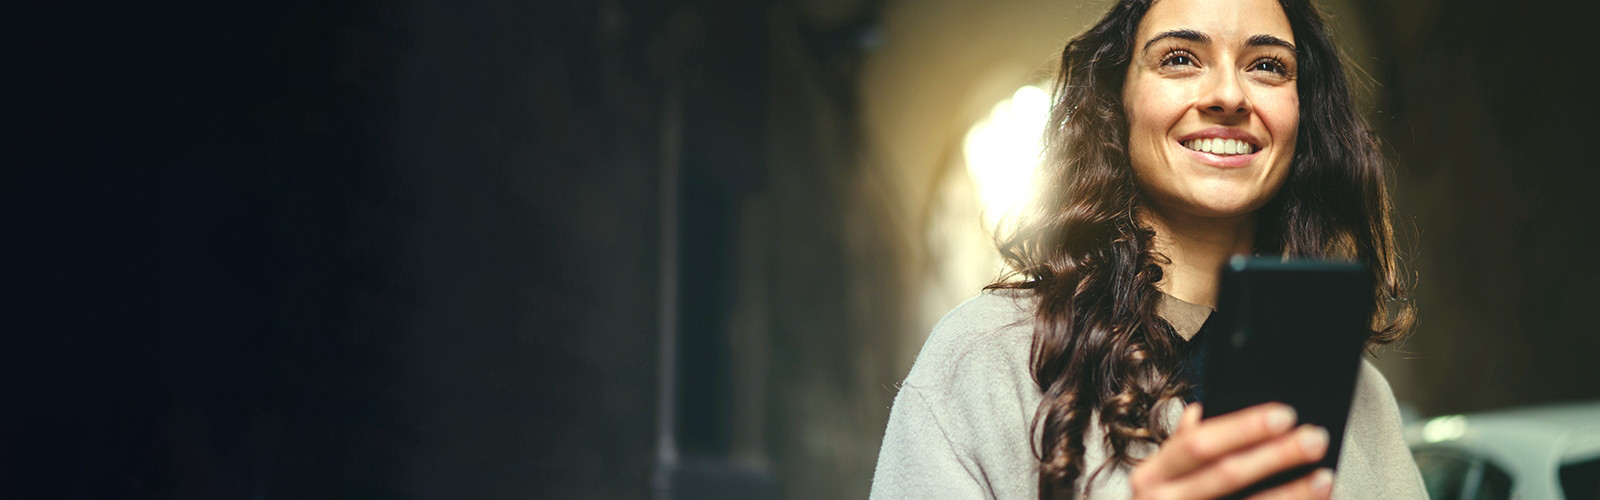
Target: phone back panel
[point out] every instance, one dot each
(1291, 332)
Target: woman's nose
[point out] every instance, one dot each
(1224, 96)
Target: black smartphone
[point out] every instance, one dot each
(1289, 331)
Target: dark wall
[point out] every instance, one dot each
(360, 249)
(80, 215)
(1489, 117)
(343, 250)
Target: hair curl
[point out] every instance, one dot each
(1099, 348)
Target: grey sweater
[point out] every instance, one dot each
(961, 426)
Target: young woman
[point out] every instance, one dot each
(1183, 132)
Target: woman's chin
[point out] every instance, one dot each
(1212, 200)
(1229, 200)
(1223, 208)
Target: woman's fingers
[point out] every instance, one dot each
(1316, 485)
(1195, 443)
(1239, 470)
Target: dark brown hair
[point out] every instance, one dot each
(1099, 348)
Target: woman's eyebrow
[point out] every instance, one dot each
(1259, 40)
(1202, 38)
(1186, 34)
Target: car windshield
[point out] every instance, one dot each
(1450, 475)
(1581, 480)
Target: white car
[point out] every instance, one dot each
(1539, 452)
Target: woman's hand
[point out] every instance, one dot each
(1225, 454)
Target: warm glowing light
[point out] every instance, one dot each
(1003, 151)
(1446, 428)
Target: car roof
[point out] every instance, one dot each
(1558, 432)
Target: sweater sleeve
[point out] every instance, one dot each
(918, 459)
(1376, 462)
(961, 425)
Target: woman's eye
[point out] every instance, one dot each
(1269, 65)
(1176, 58)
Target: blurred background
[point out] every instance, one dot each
(622, 249)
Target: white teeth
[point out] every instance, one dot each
(1220, 146)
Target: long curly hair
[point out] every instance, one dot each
(1099, 347)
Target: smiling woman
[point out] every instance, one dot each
(1182, 132)
(1214, 113)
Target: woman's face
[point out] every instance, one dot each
(1211, 104)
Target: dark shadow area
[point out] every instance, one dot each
(1489, 126)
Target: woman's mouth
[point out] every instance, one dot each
(1221, 153)
(1220, 147)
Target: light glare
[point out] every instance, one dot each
(1003, 151)
(1446, 428)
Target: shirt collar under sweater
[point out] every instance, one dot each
(1186, 318)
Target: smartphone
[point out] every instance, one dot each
(1289, 331)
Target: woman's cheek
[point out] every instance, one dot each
(1281, 115)
(1157, 109)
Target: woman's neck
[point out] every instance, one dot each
(1197, 248)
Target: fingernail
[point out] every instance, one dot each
(1313, 440)
(1280, 418)
(1321, 481)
